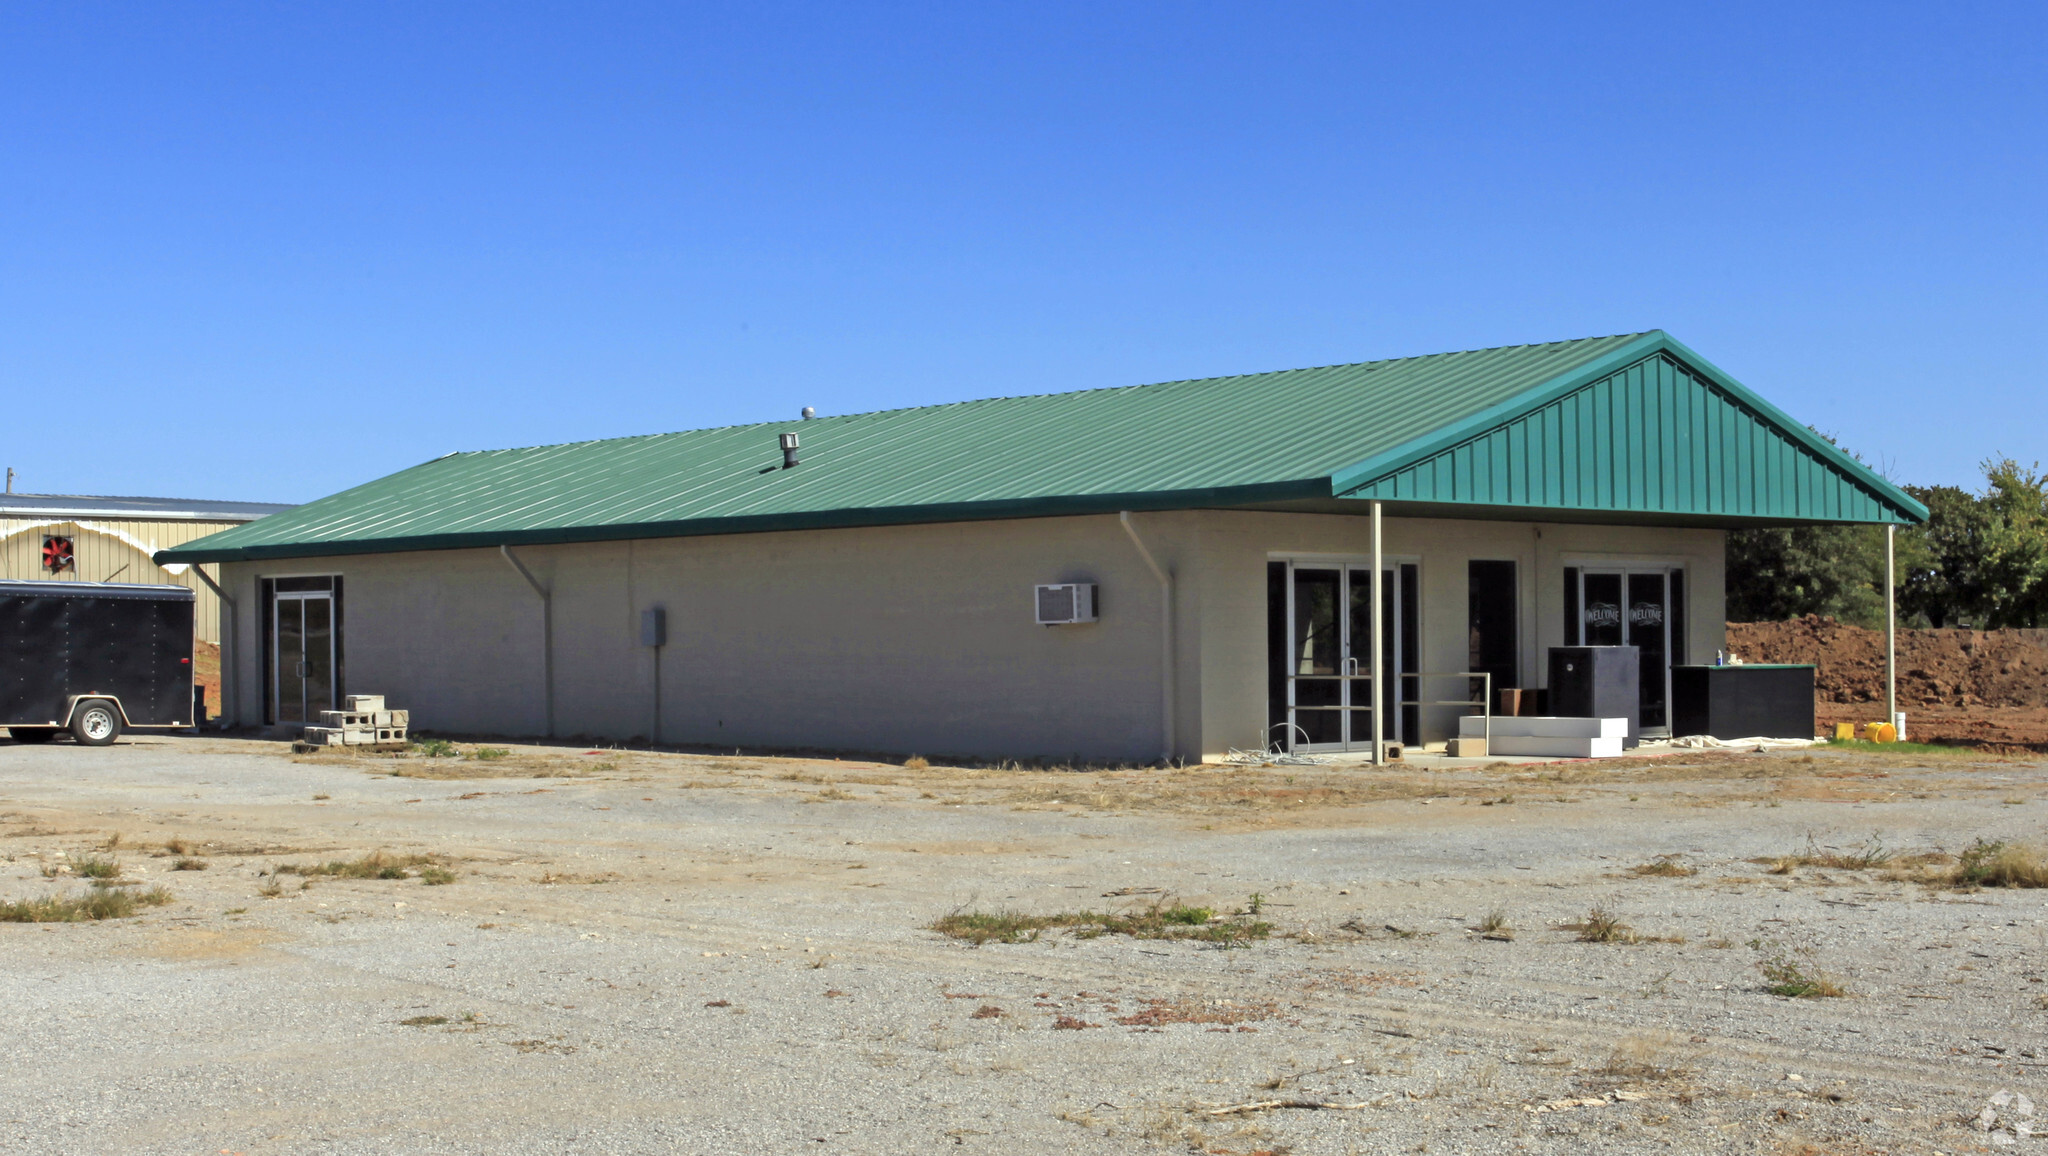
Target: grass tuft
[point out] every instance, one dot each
(435, 749)
(188, 864)
(99, 903)
(95, 867)
(436, 876)
(1601, 926)
(1496, 923)
(489, 753)
(916, 763)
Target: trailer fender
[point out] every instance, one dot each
(71, 707)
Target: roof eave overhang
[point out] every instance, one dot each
(1352, 478)
(1047, 507)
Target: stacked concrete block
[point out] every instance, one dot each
(365, 722)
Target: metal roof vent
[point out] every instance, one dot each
(810, 411)
(788, 442)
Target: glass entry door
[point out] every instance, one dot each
(1329, 655)
(1626, 607)
(302, 630)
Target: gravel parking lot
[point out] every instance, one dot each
(661, 952)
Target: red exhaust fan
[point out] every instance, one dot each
(56, 555)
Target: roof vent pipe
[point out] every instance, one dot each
(789, 457)
(810, 411)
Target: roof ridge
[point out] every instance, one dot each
(1026, 396)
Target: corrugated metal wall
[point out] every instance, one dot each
(100, 553)
(1652, 437)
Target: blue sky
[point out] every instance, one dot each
(268, 251)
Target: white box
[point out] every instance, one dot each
(1474, 726)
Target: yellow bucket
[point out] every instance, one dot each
(1882, 732)
(1844, 732)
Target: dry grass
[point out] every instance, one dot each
(1495, 923)
(1786, 976)
(188, 864)
(1162, 920)
(1664, 866)
(916, 763)
(98, 903)
(1645, 1056)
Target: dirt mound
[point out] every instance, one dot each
(206, 672)
(1952, 668)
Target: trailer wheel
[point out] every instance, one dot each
(96, 723)
(32, 734)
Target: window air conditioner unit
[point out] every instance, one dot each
(1066, 604)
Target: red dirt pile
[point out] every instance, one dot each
(1962, 668)
(1980, 688)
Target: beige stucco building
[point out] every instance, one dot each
(922, 639)
(878, 582)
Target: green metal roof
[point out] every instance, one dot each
(1344, 430)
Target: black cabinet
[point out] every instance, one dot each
(1741, 702)
(1597, 682)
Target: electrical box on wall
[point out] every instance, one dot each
(1066, 604)
(654, 627)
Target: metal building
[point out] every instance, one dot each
(68, 538)
(1230, 548)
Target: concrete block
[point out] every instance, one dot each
(1463, 748)
(363, 702)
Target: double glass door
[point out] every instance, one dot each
(1329, 660)
(1643, 609)
(302, 627)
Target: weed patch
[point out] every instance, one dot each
(375, 865)
(1999, 864)
(99, 903)
(1785, 975)
(188, 865)
(1158, 921)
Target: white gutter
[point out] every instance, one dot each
(1166, 663)
(547, 632)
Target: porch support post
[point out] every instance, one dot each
(1379, 651)
(1891, 624)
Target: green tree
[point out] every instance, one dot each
(1941, 563)
(1786, 572)
(2014, 562)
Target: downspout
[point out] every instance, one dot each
(227, 666)
(547, 632)
(1166, 664)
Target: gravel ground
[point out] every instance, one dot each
(648, 952)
